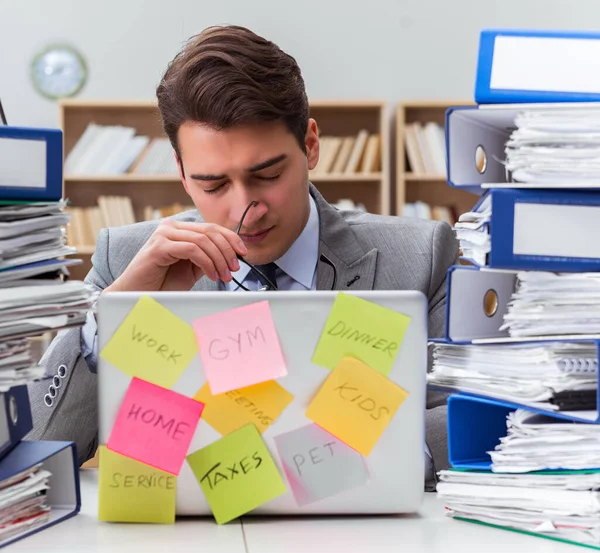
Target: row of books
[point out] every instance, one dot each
(349, 155)
(112, 211)
(425, 146)
(117, 149)
(423, 210)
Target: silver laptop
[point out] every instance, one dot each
(395, 465)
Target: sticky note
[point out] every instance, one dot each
(260, 404)
(319, 465)
(239, 347)
(155, 426)
(236, 473)
(129, 491)
(152, 343)
(355, 404)
(362, 329)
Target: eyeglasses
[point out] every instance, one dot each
(253, 269)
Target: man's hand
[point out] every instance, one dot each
(178, 254)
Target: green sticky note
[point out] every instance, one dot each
(152, 343)
(236, 473)
(361, 329)
(130, 491)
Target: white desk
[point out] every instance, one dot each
(428, 531)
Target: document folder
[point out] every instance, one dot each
(519, 65)
(15, 418)
(60, 459)
(477, 132)
(483, 420)
(476, 301)
(31, 160)
(544, 230)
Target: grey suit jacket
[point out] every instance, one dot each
(357, 251)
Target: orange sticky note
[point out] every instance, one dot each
(155, 426)
(356, 404)
(239, 347)
(260, 404)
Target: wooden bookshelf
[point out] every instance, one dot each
(430, 187)
(342, 118)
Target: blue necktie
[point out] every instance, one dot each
(269, 271)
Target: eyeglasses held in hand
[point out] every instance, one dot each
(253, 269)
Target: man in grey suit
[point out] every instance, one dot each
(235, 110)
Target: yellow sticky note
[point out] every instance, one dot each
(152, 343)
(356, 404)
(236, 474)
(361, 329)
(260, 404)
(129, 491)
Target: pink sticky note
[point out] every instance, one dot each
(155, 426)
(239, 347)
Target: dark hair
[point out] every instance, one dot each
(227, 76)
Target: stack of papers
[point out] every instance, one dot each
(547, 304)
(527, 373)
(564, 506)
(23, 505)
(27, 311)
(32, 242)
(473, 232)
(536, 442)
(556, 146)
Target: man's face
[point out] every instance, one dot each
(227, 169)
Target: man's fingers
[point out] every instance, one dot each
(222, 261)
(208, 228)
(190, 251)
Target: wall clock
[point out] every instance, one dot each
(58, 71)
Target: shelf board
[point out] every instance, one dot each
(341, 177)
(84, 250)
(416, 177)
(126, 177)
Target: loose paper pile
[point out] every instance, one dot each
(23, 505)
(563, 504)
(553, 147)
(473, 232)
(537, 442)
(547, 304)
(528, 373)
(244, 395)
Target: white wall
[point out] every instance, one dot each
(389, 49)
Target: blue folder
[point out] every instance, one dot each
(31, 161)
(15, 418)
(63, 495)
(543, 230)
(520, 66)
(488, 128)
(483, 420)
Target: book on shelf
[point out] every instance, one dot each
(423, 210)
(425, 146)
(116, 150)
(111, 211)
(349, 155)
